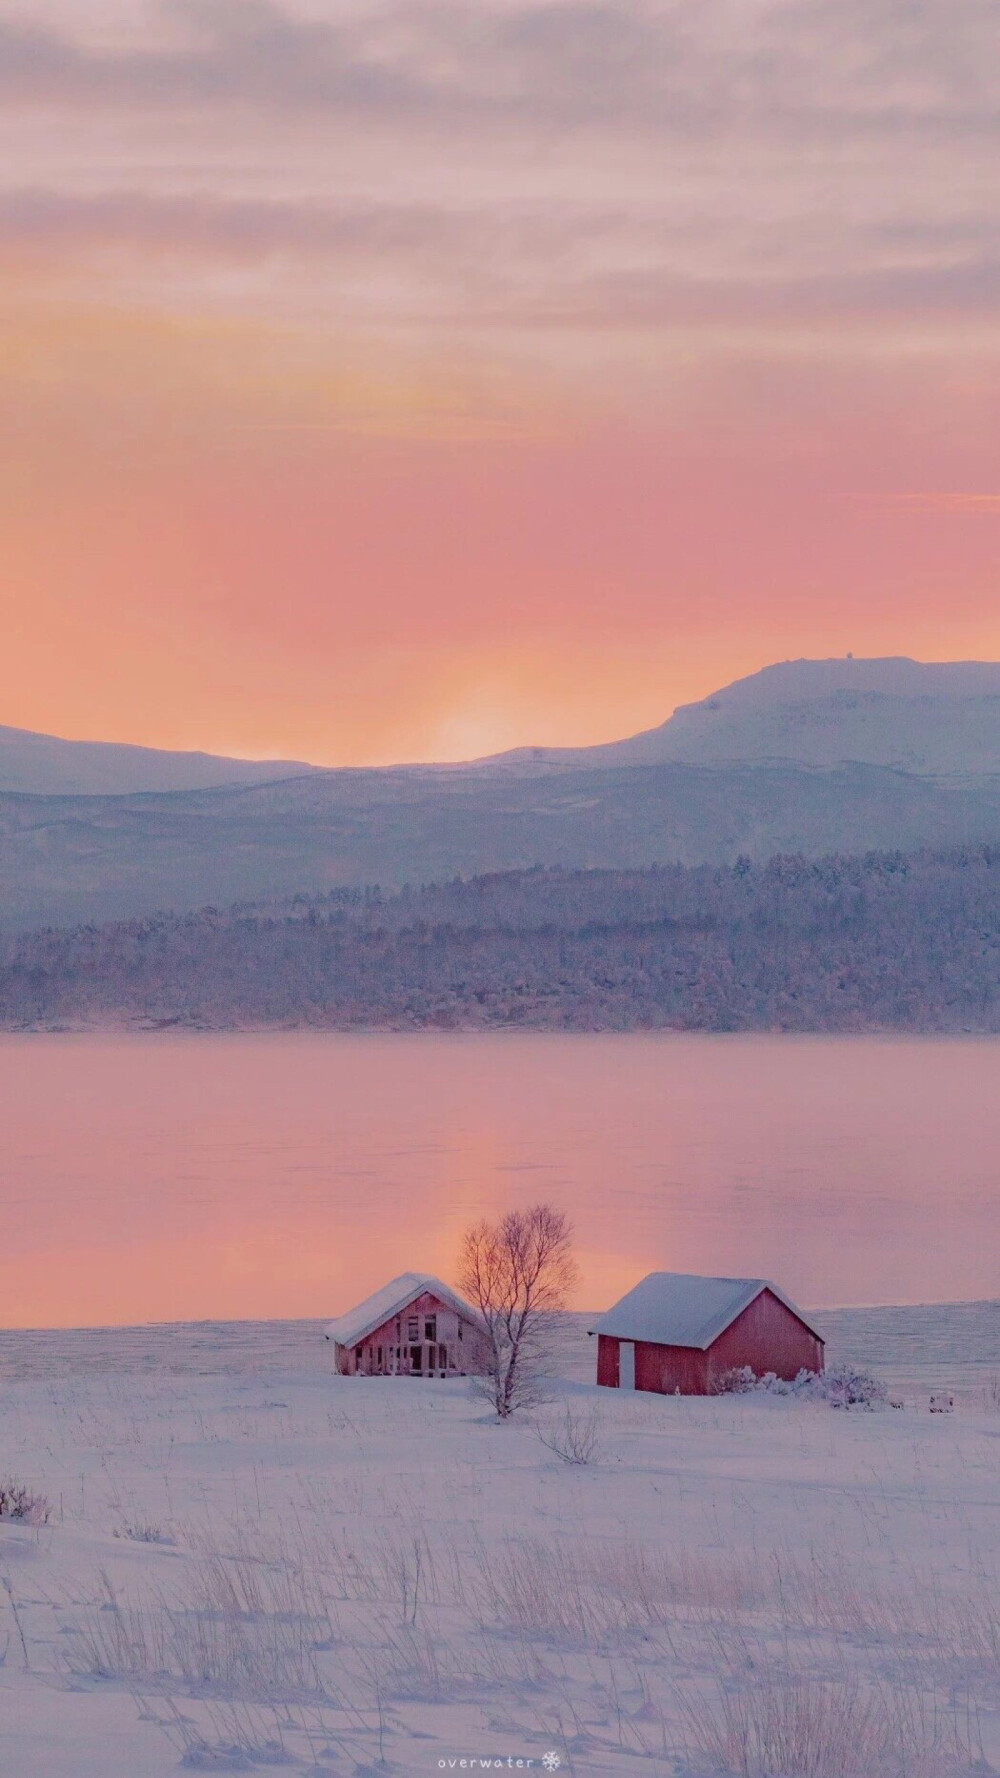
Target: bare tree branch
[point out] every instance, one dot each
(519, 1272)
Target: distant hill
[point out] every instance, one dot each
(44, 765)
(938, 718)
(806, 756)
(880, 943)
(64, 859)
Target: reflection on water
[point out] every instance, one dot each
(177, 1177)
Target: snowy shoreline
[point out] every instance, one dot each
(915, 1344)
(251, 1564)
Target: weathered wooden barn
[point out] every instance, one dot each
(415, 1326)
(678, 1334)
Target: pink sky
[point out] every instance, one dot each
(415, 379)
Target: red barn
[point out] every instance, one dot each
(415, 1326)
(676, 1333)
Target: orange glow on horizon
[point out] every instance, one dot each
(186, 566)
(438, 424)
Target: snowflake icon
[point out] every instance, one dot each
(551, 1762)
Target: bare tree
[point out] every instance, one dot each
(518, 1272)
(575, 1438)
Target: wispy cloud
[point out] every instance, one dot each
(521, 163)
(549, 266)
(953, 501)
(819, 68)
(225, 227)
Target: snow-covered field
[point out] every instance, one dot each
(251, 1564)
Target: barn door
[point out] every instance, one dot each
(626, 1364)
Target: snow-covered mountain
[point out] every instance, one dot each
(808, 756)
(44, 765)
(934, 718)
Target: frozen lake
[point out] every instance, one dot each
(180, 1177)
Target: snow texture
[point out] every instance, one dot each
(253, 1564)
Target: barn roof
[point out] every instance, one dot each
(391, 1300)
(680, 1309)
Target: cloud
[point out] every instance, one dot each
(961, 504)
(220, 227)
(662, 298)
(547, 167)
(553, 266)
(248, 54)
(813, 71)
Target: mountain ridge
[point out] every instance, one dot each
(35, 764)
(756, 769)
(931, 717)
(934, 718)
(67, 859)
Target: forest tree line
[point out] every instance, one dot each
(885, 941)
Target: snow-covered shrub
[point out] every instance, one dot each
(19, 1503)
(845, 1386)
(743, 1380)
(807, 1383)
(775, 1385)
(740, 1380)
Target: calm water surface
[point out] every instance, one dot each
(179, 1177)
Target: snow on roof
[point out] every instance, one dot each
(391, 1300)
(680, 1309)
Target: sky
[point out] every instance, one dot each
(413, 379)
